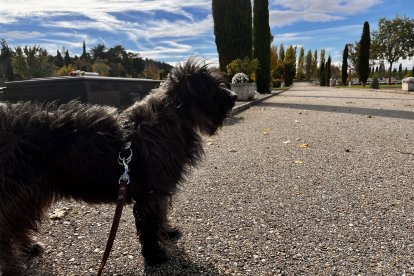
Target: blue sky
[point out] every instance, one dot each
(172, 30)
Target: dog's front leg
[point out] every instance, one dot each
(149, 216)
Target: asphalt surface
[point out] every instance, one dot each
(313, 181)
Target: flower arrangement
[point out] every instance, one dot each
(408, 80)
(240, 78)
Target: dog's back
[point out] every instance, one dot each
(39, 142)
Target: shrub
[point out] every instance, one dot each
(246, 65)
(276, 83)
(375, 83)
(240, 78)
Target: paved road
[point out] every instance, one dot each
(314, 181)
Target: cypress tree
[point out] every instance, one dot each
(290, 68)
(328, 71)
(300, 74)
(67, 59)
(58, 60)
(282, 52)
(363, 54)
(315, 64)
(262, 39)
(400, 71)
(344, 73)
(232, 30)
(321, 63)
(83, 56)
(308, 65)
(322, 76)
(6, 66)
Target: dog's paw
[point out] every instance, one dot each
(34, 250)
(37, 249)
(154, 255)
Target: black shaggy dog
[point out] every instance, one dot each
(50, 152)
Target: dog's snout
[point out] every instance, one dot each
(232, 95)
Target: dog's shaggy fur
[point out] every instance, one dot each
(50, 152)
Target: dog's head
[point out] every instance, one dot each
(200, 94)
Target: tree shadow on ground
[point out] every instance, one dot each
(398, 114)
(356, 98)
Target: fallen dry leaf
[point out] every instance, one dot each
(298, 162)
(232, 150)
(303, 146)
(57, 214)
(287, 142)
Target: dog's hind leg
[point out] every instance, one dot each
(20, 212)
(150, 214)
(10, 264)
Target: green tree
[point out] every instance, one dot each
(353, 57)
(300, 74)
(321, 63)
(393, 40)
(67, 59)
(262, 39)
(328, 72)
(315, 64)
(282, 52)
(344, 74)
(363, 54)
(290, 67)
(322, 75)
(99, 52)
(6, 64)
(32, 62)
(400, 72)
(58, 60)
(274, 59)
(308, 65)
(232, 29)
(84, 54)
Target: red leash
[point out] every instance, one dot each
(123, 187)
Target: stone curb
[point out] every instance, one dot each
(244, 106)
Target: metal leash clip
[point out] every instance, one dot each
(124, 161)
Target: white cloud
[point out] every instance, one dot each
(12, 35)
(286, 12)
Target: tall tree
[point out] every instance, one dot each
(290, 67)
(233, 30)
(344, 73)
(321, 63)
(84, 54)
(262, 39)
(393, 40)
(274, 59)
(300, 74)
(58, 59)
(315, 64)
(282, 52)
(400, 71)
(363, 54)
(328, 72)
(67, 59)
(308, 65)
(6, 64)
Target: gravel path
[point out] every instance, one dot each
(310, 182)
